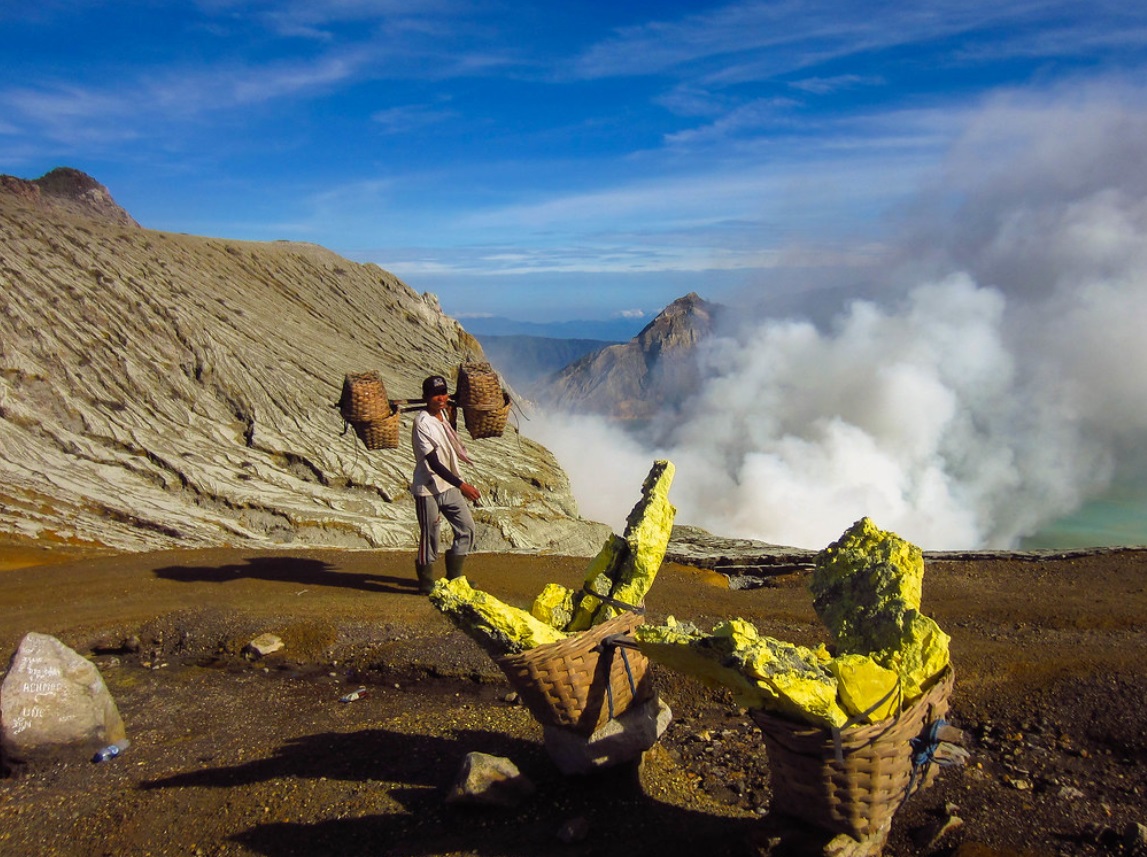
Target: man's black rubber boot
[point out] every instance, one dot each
(454, 566)
(425, 578)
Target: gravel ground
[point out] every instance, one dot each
(239, 757)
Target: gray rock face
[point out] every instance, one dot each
(53, 700)
(161, 390)
(615, 742)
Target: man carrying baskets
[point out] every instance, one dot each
(437, 486)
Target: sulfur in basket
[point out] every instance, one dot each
(583, 681)
(853, 780)
(487, 423)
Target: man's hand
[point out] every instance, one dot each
(469, 492)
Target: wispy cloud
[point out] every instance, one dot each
(754, 116)
(410, 117)
(756, 40)
(825, 85)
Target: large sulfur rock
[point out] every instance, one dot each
(781, 677)
(554, 606)
(496, 626)
(866, 690)
(54, 701)
(626, 566)
(866, 588)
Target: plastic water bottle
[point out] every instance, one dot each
(111, 751)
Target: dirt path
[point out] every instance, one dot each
(238, 758)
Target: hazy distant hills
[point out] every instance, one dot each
(167, 390)
(610, 330)
(524, 360)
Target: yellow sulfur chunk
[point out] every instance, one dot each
(780, 677)
(681, 647)
(599, 578)
(867, 590)
(862, 548)
(920, 654)
(554, 605)
(626, 566)
(865, 688)
(647, 532)
(497, 627)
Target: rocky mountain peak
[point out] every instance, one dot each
(71, 190)
(681, 325)
(634, 380)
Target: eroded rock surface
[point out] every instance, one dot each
(163, 390)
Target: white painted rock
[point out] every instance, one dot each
(54, 701)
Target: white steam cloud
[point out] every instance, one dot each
(997, 391)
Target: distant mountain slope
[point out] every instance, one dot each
(636, 379)
(164, 390)
(523, 360)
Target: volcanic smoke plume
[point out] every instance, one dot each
(989, 381)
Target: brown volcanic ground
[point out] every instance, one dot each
(238, 758)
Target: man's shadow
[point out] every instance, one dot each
(289, 569)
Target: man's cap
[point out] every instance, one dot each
(435, 385)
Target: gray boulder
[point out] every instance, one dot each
(485, 780)
(622, 739)
(54, 703)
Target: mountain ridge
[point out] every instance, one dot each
(649, 375)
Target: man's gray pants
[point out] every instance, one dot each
(452, 506)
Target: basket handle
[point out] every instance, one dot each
(620, 642)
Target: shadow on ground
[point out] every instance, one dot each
(287, 569)
(413, 773)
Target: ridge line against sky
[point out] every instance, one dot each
(545, 163)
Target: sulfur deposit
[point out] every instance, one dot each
(499, 628)
(622, 572)
(866, 589)
(625, 567)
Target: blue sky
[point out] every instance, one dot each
(540, 161)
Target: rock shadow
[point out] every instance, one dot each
(289, 569)
(364, 755)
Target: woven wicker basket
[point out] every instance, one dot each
(478, 387)
(858, 791)
(576, 684)
(364, 398)
(382, 433)
(481, 424)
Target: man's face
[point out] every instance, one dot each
(436, 403)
